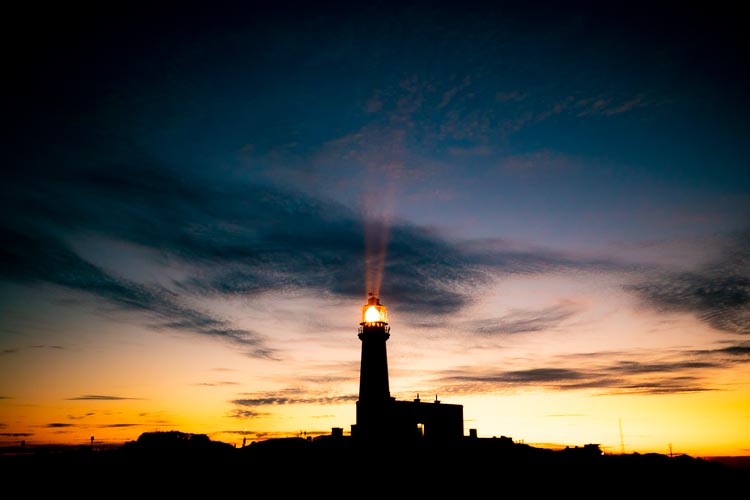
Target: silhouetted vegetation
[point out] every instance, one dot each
(180, 462)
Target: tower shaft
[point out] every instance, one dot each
(373, 374)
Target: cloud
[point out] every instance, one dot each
(15, 350)
(717, 293)
(528, 111)
(679, 371)
(227, 237)
(738, 350)
(230, 237)
(74, 417)
(241, 414)
(609, 106)
(275, 399)
(638, 368)
(43, 258)
(101, 398)
(502, 256)
(602, 373)
(523, 321)
(249, 405)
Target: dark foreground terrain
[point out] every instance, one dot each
(172, 463)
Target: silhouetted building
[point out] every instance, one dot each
(382, 419)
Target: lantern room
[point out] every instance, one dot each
(374, 313)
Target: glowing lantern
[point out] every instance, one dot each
(374, 312)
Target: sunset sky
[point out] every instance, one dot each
(552, 202)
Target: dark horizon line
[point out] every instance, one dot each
(106, 445)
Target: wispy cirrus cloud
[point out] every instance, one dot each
(717, 293)
(100, 397)
(231, 237)
(282, 399)
(242, 413)
(530, 110)
(117, 425)
(523, 321)
(603, 373)
(678, 371)
(38, 346)
(253, 405)
(503, 256)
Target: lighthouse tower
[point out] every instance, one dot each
(381, 419)
(374, 393)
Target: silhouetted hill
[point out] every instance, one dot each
(177, 463)
(735, 462)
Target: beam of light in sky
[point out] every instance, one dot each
(376, 243)
(377, 211)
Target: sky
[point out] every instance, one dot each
(552, 201)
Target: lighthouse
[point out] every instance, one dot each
(383, 420)
(374, 392)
